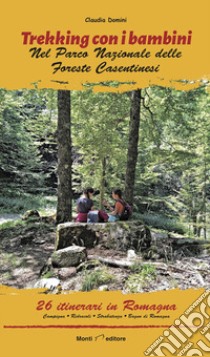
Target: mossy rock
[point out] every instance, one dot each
(116, 235)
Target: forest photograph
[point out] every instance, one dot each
(72, 163)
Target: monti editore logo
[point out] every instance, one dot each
(177, 339)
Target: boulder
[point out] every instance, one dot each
(129, 235)
(117, 235)
(66, 273)
(69, 257)
(50, 283)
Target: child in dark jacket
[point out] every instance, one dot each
(84, 205)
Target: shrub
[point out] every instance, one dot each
(96, 278)
(143, 277)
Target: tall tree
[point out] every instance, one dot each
(101, 120)
(64, 205)
(132, 153)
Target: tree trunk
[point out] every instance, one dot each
(103, 179)
(195, 226)
(64, 205)
(205, 196)
(132, 154)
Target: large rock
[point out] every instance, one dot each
(49, 284)
(117, 235)
(69, 257)
(66, 273)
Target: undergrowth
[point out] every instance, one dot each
(96, 278)
(143, 276)
(19, 203)
(162, 222)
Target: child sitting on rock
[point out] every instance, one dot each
(84, 205)
(119, 207)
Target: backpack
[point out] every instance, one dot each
(103, 216)
(126, 214)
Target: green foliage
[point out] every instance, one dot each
(11, 224)
(163, 222)
(143, 277)
(22, 202)
(145, 270)
(101, 120)
(24, 122)
(110, 84)
(174, 156)
(96, 278)
(48, 275)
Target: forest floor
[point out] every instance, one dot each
(26, 247)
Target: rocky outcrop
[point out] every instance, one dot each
(117, 235)
(69, 257)
(129, 235)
